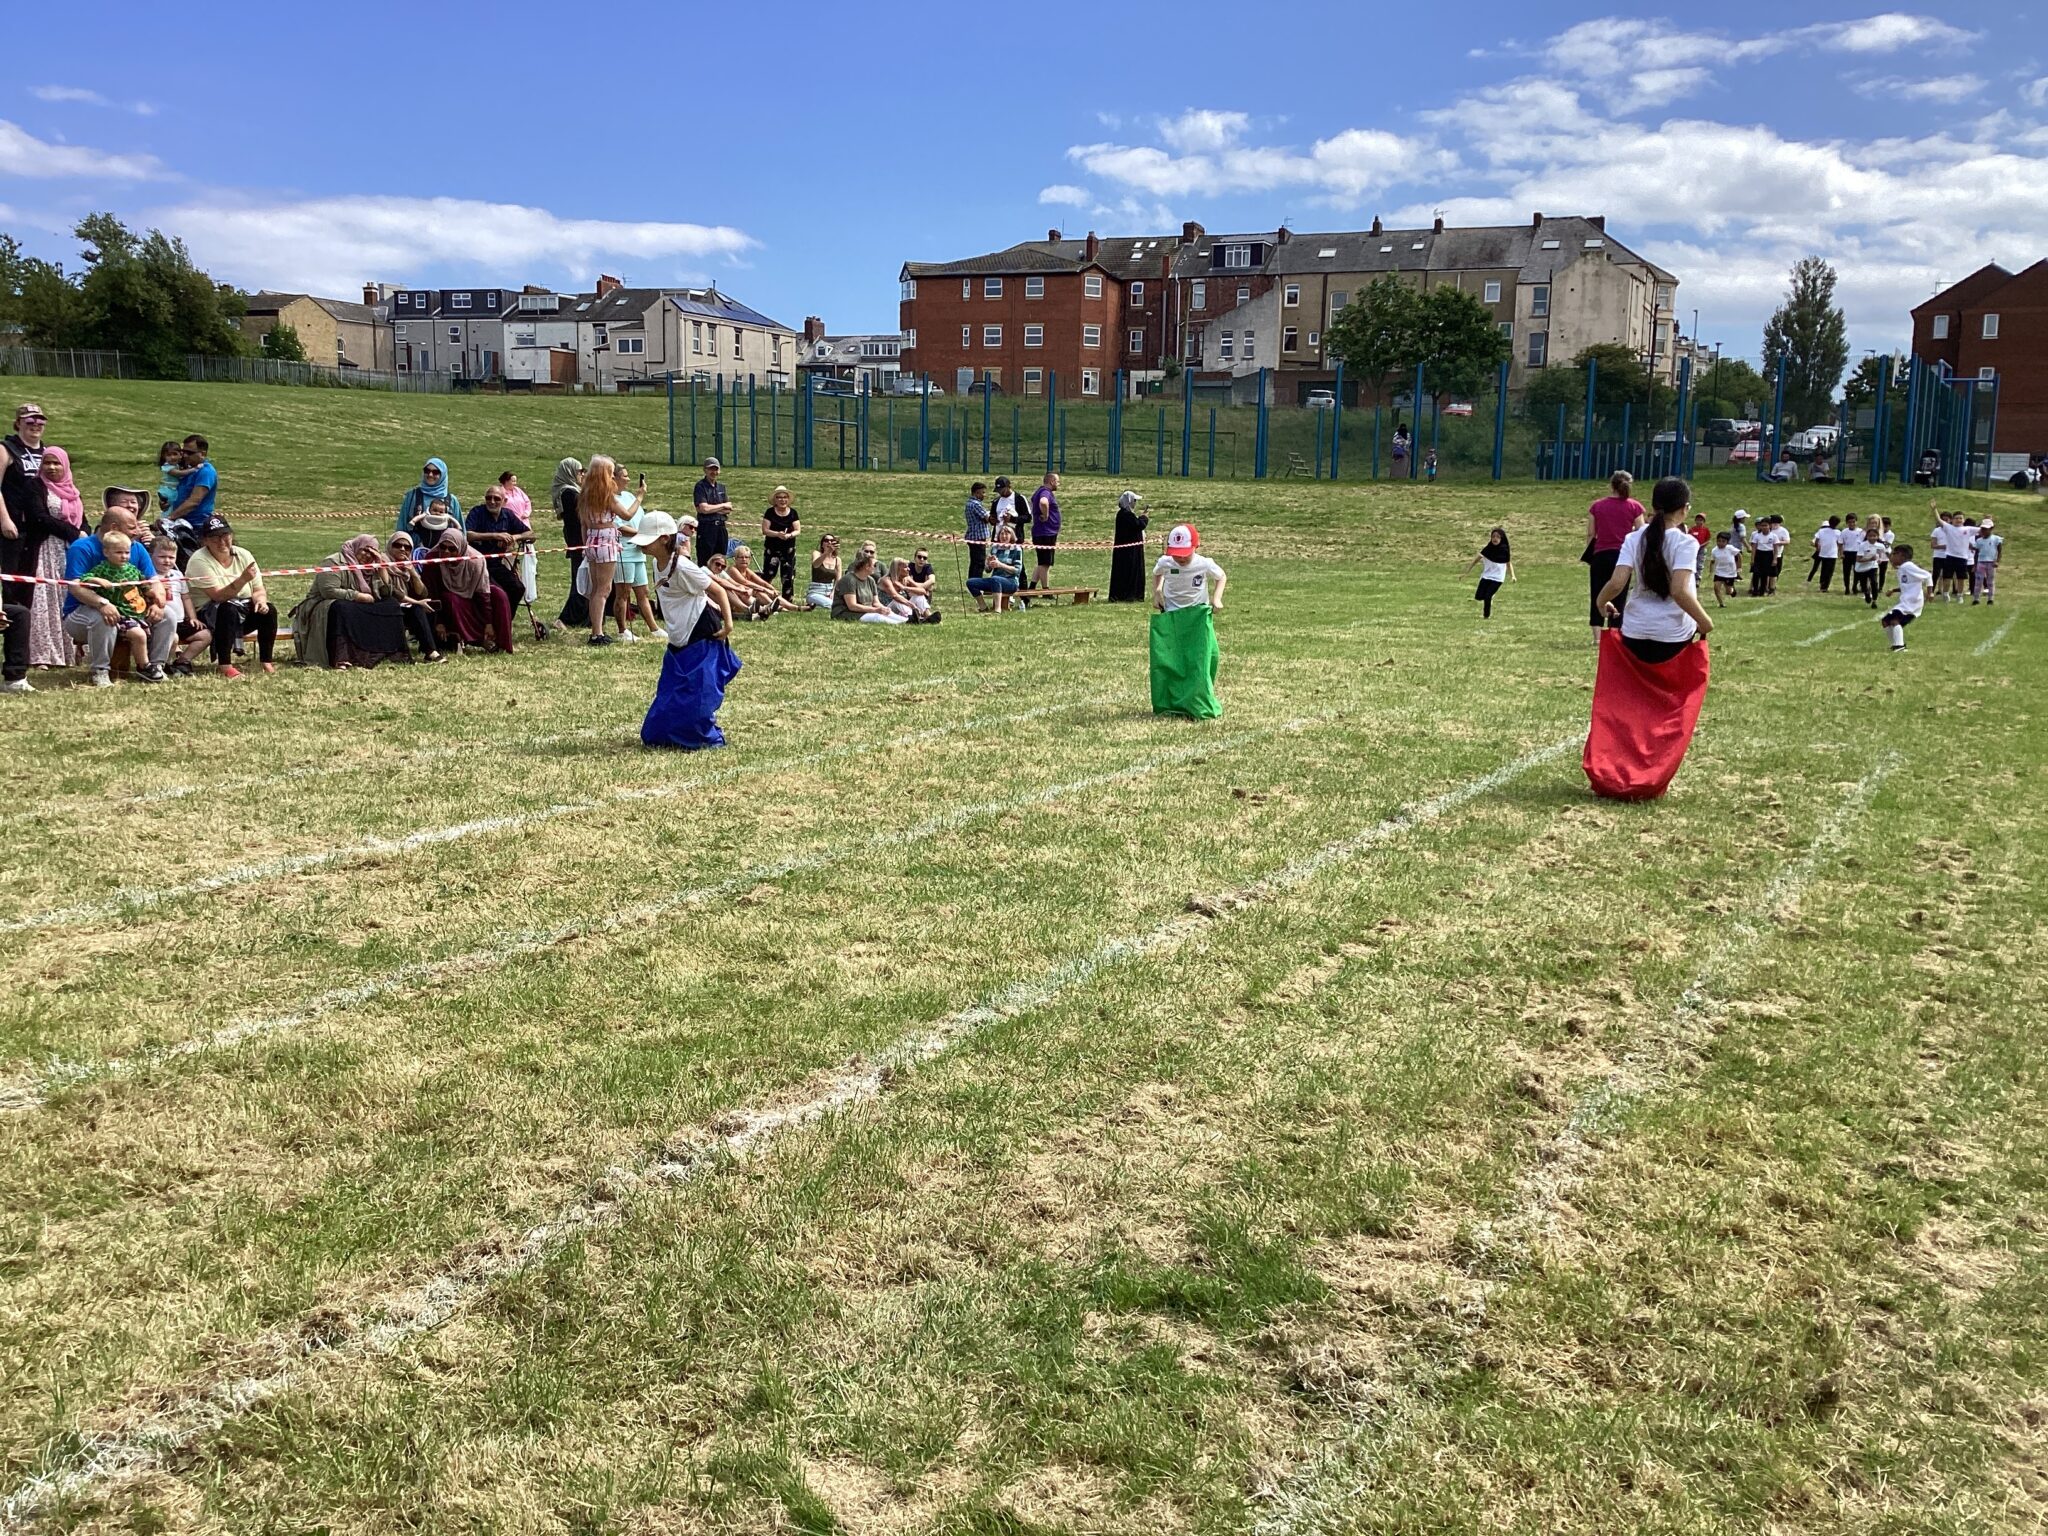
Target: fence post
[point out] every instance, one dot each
(1586, 469)
(1337, 419)
(1879, 426)
(988, 405)
(1628, 451)
(1187, 423)
(924, 419)
(1052, 394)
(1777, 424)
(1500, 419)
(670, 386)
(694, 459)
(1016, 434)
(1319, 442)
(1259, 433)
(1682, 439)
(1113, 455)
(1912, 418)
(1376, 436)
(1557, 460)
(1212, 442)
(1063, 442)
(1161, 469)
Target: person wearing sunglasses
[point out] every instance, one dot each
(433, 487)
(24, 518)
(496, 534)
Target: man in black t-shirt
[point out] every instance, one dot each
(780, 525)
(713, 508)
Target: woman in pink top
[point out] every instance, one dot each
(1608, 521)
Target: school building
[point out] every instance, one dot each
(1995, 321)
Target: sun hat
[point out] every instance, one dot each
(1741, 516)
(654, 525)
(1128, 500)
(1183, 540)
(712, 463)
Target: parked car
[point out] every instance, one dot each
(983, 387)
(1458, 408)
(1814, 440)
(832, 386)
(1321, 400)
(1744, 452)
(1722, 432)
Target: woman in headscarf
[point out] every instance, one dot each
(565, 493)
(472, 603)
(342, 621)
(1127, 560)
(47, 646)
(400, 582)
(699, 663)
(433, 487)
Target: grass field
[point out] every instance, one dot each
(970, 1104)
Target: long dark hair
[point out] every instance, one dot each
(1668, 500)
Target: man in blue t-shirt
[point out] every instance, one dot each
(495, 533)
(196, 486)
(90, 623)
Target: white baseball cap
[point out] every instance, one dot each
(654, 525)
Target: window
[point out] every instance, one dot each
(1091, 286)
(1326, 253)
(1493, 293)
(1199, 297)
(696, 335)
(1940, 328)
(1225, 346)
(1338, 300)
(966, 337)
(1539, 300)
(458, 301)
(1248, 347)
(1244, 293)
(1418, 245)
(909, 288)
(1539, 348)
(1289, 339)
(711, 339)
(1034, 335)
(1595, 243)
(991, 335)
(1091, 336)
(491, 300)
(340, 347)
(1550, 245)
(1315, 340)
(1034, 381)
(455, 335)
(738, 336)
(1507, 329)
(775, 350)
(1091, 381)
(991, 287)
(1291, 295)
(1137, 342)
(993, 376)
(633, 344)
(1991, 327)
(398, 330)
(523, 338)
(1137, 295)
(1237, 256)
(1034, 287)
(966, 287)
(910, 337)
(1385, 249)
(1987, 374)
(1663, 295)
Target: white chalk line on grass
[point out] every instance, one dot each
(33, 1089)
(1330, 1487)
(417, 1310)
(1828, 634)
(1990, 642)
(128, 900)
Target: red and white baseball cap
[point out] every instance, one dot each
(1183, 540)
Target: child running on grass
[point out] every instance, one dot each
(1913, 584)
(1727, 569)
(1496, 565)
(1870, 553)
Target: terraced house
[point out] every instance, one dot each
(1040, 315)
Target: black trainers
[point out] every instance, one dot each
(601, 640)
(151, 674)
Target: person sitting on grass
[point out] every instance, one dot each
(119, 584)
(746, 603)
(1005, 573)
(228, 586)
(474, 606)
(824, 572)
(401, 582)
(857, 597)
(193, 635)
(741, 569)
(903, 596)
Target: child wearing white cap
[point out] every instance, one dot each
(1187, 588)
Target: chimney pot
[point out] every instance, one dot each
(1537, 222)
(1052, 234)
(1599, 222)
(1376, 224)
(1282, 235)
(369, 293)
(1094, 245)
(814, 328)
(1190, 232)
(606, 283)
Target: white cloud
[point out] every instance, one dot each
(1341, 168)
(1947, 89)
(1066, 194)
(1202, 131)
(2036, 94)
(78, 95)
(23, 154)
(332, 245)
(1887, 33)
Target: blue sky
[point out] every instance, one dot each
(798, 153)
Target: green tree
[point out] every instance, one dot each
(1375, 335)
(1810, 335)
(1861, 389)
(145, 297)
(36, 301)
(1458, 343)
(1621, 386)
(281, 343)
(1731, 388)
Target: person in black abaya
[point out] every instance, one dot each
(565, 493)
(1127, 560)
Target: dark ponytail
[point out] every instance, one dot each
(1668, 500)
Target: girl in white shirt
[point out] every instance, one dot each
(1664, 615)
(1496, 565)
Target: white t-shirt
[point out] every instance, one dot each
(1938, 541)
(1648, 616)
(1725, 558)
(1186, 585)
(1009, 510)
(1492, 570)
(1867, 555)
(680, 589)
(1828, 541)
(1852, 541)
(1912, 588)
(1781, 537)
(1888, 538)
(176, 585)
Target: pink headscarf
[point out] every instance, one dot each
(464, 574)
(64, 497)
(362, 550)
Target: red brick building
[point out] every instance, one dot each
(1042, 315)
(1994, 320)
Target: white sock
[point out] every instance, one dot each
(1898, 632)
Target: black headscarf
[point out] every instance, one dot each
(1500, 551)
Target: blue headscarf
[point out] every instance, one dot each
(420, 495)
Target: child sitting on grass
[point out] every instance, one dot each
(118, 581)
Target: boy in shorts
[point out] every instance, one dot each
(1913, 584)
(116, 583)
